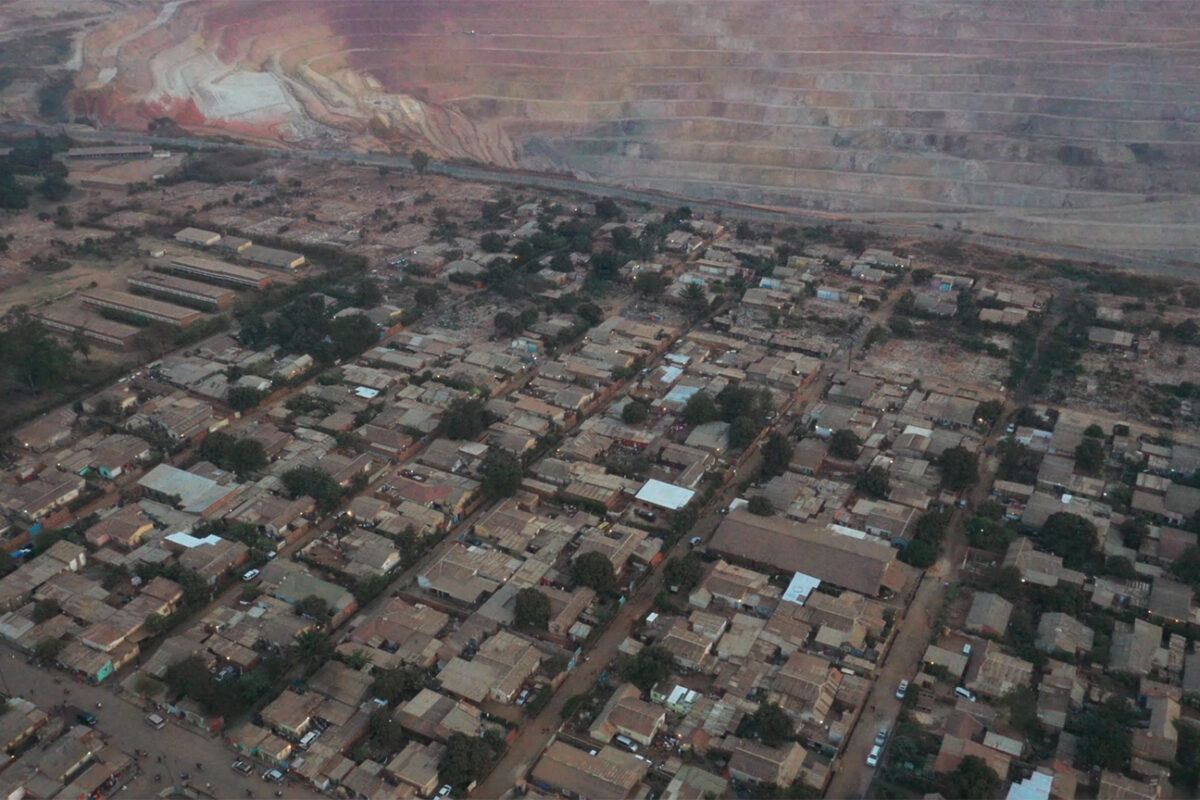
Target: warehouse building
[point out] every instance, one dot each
(197, 237)
(270, 257)
(181, 290)
(141, 307)
(98, 329)
(219, 272)
(124, 151)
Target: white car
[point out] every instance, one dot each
(250, 575)
(444, 791)
(873, 756)
(901, 689)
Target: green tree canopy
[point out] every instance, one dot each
(652, 665)
(398, 685)
(316, 483)
(419, 160)
(776, 454)
(683, 572)
(960, 468)
(771, 725)
(1072, 537)
(635, 412)
(242, 456)
(502, 473)
(760, 505)
(30, 357)
(464, 418)
(594, 570)
(467, 759)
(874, 482)
(700, 408)
(844, 444)
(742, 432)
(972, 779)
(531, 609)
(989, 412)
(1089, 456)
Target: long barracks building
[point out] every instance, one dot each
(213, 271)
(181, 290)
(143, 307)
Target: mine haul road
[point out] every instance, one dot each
(485, 174)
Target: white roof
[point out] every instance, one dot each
(1035, 787)
(366, 392)
(800, 588)
(189, 541)
(665, 495)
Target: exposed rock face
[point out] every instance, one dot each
(1077, 121)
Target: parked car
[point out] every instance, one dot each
(881, 737)
(273, 776)
(444, 791)
(242, 767)
(250, 575)
(873, 757)
(901, 690)
(87, 719)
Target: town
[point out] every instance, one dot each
(376, 484)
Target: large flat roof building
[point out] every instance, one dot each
(197, 237)
(271, 257)
(119, 151)
(219, 272)
(181, 290)
(98, 329)
(152, 310)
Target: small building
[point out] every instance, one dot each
(989, 614)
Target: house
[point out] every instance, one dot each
(735, 587)
(435, 716)
(810, 684)
(626, 714)
(1134, 646)
(1058, 631)
(1110, 337)
(498, 670)
(1160, 741)
(995, 673)
(125, 529)
(1115, 786)
(296, 584)
(657, 496)
(1045, 569)
(989, 614)
(757, 763)
(417, 766)
(611, 774)
(187, 491)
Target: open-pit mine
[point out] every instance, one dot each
(1061, 122)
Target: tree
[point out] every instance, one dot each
(313, 648)
(960, 468)
(29, 354)
(426, 297)
(242, 456)
(760, 505)
(1093, 431)
(902, 327)
(1089, 456)
(419, 160)
(776, 454)
(398, 685)
(742, 432)
(502, 473)
(635, 412)
(1187, 566)
(874, 482)
(700, 408)
(594, 570)
(683, 573)
(46, 651)
(359, 659)
(243, 398)
(54, 187)
(46, 609)
(771, 725)
(531, 610)
(463, 419)
(972, 779)
(1072, 537)
(988, 412)
(607, 209)
(648, 284)
(844, 444)
(1103, 740)
(315, 483)
(695, 301)
(315, 607)
(13, 194)
(920, 553)
(1133, 533)
(467, 759)
(651, 666)
(82, 345)
(492, 242)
